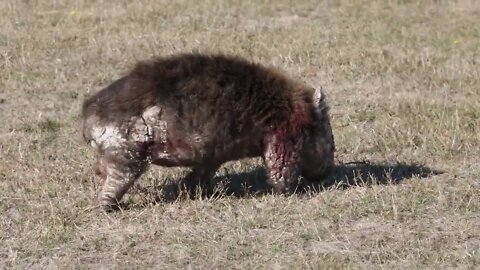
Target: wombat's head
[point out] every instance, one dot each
(319, 146)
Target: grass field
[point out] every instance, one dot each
(403, 82)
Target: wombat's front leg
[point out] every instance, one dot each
(281, 159)
(121, 167)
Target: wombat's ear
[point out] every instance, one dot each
(318, 96)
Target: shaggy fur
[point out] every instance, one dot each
(201, 111)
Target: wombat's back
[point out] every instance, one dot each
(207, 88)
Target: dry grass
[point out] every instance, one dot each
(403, 80)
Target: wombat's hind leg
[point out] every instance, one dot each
(281, 161)
(199, 177)
(122, 167)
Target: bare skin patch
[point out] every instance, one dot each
(140, 132)
(152, 118)
(107, 136)
(152, 114)
(281, 159)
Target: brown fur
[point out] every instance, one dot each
(204, 110)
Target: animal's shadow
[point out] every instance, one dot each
(253, 183)
(365, 174)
